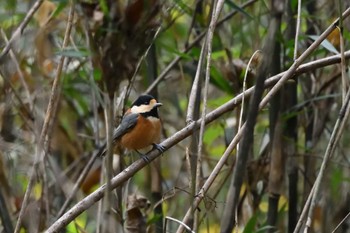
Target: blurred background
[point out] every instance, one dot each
(117, 50)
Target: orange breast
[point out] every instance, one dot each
(144, 134)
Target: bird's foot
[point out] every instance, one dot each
(158, 147)
(144, 157)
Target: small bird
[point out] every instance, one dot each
(140, 127)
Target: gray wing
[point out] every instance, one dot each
(128, 122)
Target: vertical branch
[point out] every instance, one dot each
(193, 115)
(239, 171)
(156, 166)
(345, 80)
(108, 166)
(215, 15)
(290, 126)
(296, 39)
(277, 157)
(54, 98)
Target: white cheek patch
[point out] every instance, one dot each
(140, 109)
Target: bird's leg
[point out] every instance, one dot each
(158, 147)
(143, 156)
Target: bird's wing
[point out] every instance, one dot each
(128, 122)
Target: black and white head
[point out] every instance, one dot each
(146, 105)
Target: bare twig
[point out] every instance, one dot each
(20, 73)
(297, 30)
(244, 88)
(48, 117)
(345, 80)
(179, 222)
(195, 86)
(336, 134)
(192, 115)
(21, 27)
(341, 222)
(108, 162)
(77, 184)
(216, 12)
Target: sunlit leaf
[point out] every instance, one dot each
(37, 191)
(326, 44)
(77, 224)
(237, 8)
(212, 132)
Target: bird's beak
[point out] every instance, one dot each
(156, 105)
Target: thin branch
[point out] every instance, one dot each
(194, 42)
(344, 78)
(119, 179)
(336, 134)
(21, 27)
(244, 88)
(179, 222)
(297, 30)
(299, 60)
(20, 73)
(77, 184)
(194, 90)
(209, 40)
(341, 222)
(48, 117)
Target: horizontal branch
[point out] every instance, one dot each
(128, 172)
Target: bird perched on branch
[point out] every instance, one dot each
(140, 127)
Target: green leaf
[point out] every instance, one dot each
(61, 5)
(172, 50)
(326, 44)
(104, 7)
(219, 81)
(237, 8)
(73, 53)
(212, 133)
(250, 226)
(183, 7)
(8, 21)
(97, 75)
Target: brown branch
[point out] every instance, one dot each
(119, 179)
